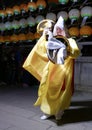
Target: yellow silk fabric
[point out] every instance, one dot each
(51, 96)
(37, 59)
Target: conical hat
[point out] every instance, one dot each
(60, 24)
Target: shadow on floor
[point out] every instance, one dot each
(78, 112)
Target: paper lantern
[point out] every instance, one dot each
(7, 39)
(15, 24)
(30, 36)
(3, 15)
(64, 14)
(41, 4)
(1, 39)
(22, 37)
(16, 10)
(24, 8)
(74, 32)
(14, 38)
(32, 6)
(2, 27)
(31, 21)
(39, 18)
(86, 12)
(51, 16)
(9, 12)
(74, 15)
(85, 31)
(23, 23)
(8, 25)
(63, 1)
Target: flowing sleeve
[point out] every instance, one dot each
(37, 59)
(74, 51)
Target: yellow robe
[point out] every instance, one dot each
(56, 81)
(37, 59)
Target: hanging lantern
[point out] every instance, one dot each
(8, 25)
(31, 21)
(2, 28)
(3, 15)
(85, 31)
(30, 37)
(24, 9)
(1, 39)
(74, 15)
(14, 38)
(10, 13)
(51, 16)
(17, 11)
(39, 18)
(15, 26)
(86, 12)
(74, 32)
(7, 39)
(63, 1)
(64, 14)
(32, 6)
(23, 25)
(21, 37)
(41, 4)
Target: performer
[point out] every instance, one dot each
(56, 78)
(37, 58)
